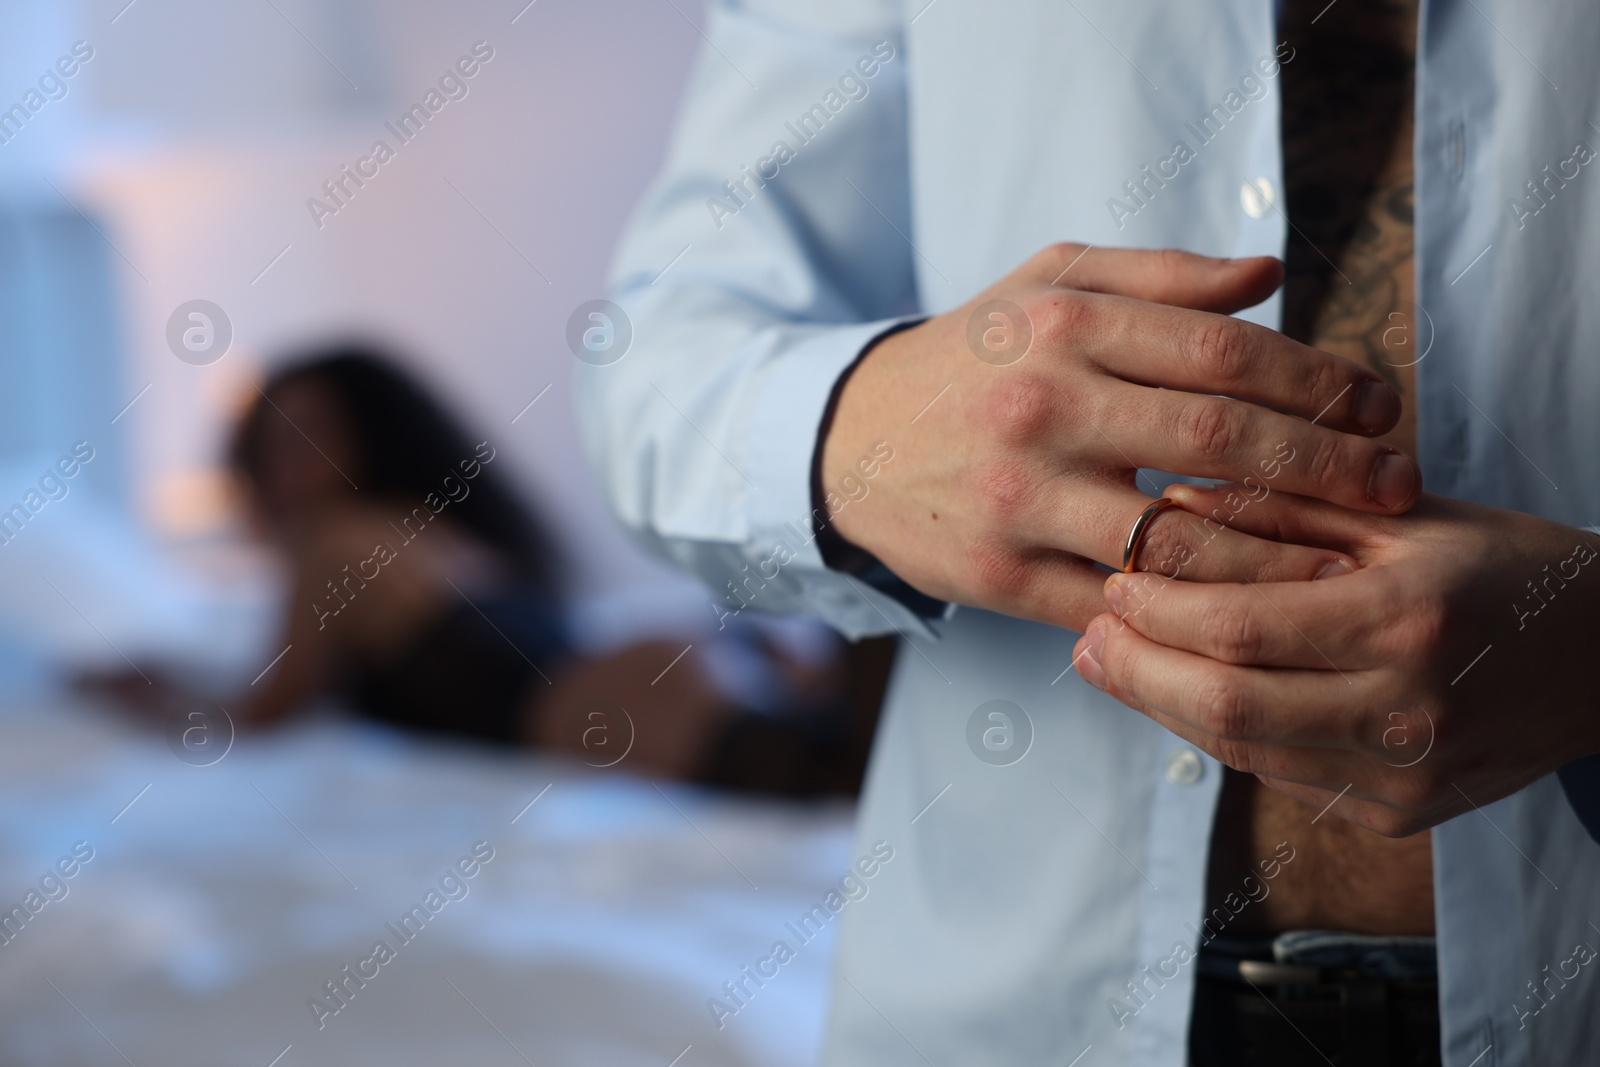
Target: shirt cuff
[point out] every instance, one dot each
(792, 407)
(839, 554)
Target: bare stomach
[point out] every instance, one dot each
(1326, 874)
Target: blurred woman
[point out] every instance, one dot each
(421, 589)
(426, 595)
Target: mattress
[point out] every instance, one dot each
(163, 903)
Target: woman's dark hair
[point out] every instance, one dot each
(407, 444)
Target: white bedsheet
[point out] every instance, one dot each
(222, 898)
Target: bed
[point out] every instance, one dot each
(230, 905)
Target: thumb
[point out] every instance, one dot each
(1162, 276)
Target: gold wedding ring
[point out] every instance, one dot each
(1130, 551)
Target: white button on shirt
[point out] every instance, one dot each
(1184, 767)
(1022, 904)
(1258, 197)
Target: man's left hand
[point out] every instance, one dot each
(1451, 670)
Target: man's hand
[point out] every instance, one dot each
(1449, 671)
(1019, 422)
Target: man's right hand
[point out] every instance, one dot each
(1019, 422)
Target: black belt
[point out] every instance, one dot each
(1348, 1001)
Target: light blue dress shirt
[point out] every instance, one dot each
(1045, 909)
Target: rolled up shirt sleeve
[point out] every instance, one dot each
(767, 255)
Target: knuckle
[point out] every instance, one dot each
(1402, 793)
(1124, 667)
(1061, 253)
(1327, 381)
(1221, 349)
(1022, 408)
(1422, 630)
(1167, 546)
(1327, 461)
(1387, 822)
(1140, 590)
(1059, 316)
(1209, 429)
(1221, 707)
(1004, 491)
(1414, 791)
(1235, 633)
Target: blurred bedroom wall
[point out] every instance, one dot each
(177, 164)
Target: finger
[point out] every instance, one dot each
(1302, 767)
(1280, 516)
(1372, 793)
(1330, 782)
(1178, 348)
(1049, 586)
(1094, 521)
(1324, 771)
(1319, 773)
(1235, 707)
(1214, 437)
(1300, 624)
(1179, 545)
(1166, 276)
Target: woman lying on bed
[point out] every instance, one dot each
(426, 595)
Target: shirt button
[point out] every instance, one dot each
(1257, 196)
(1184, 766)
